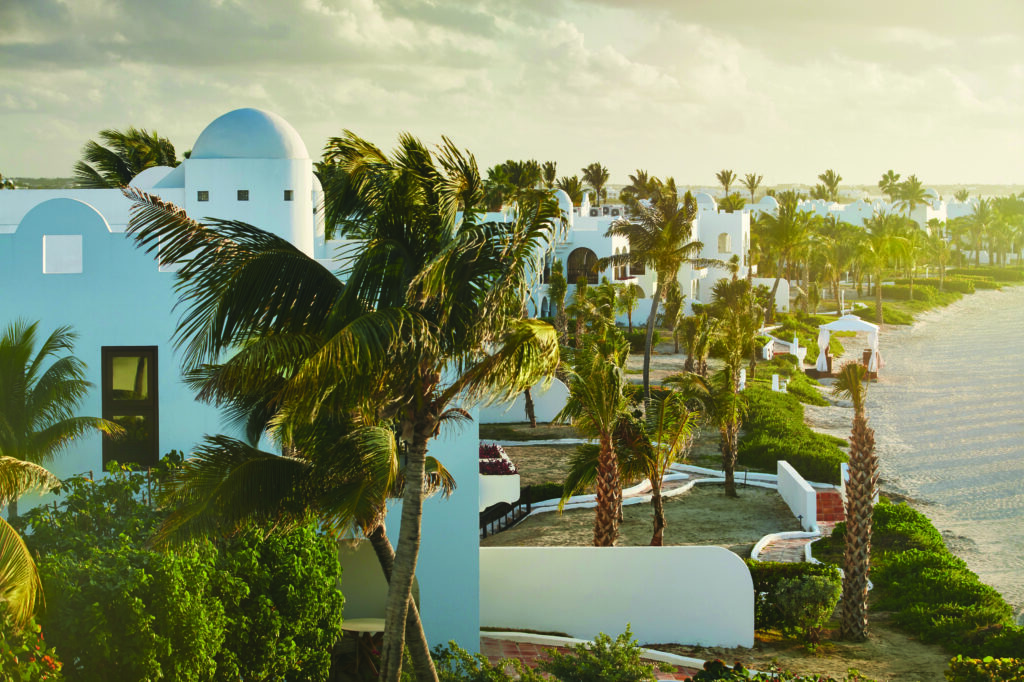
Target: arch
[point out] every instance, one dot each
(725, 243)
(582, 262)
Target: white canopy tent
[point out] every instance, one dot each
(848, 323)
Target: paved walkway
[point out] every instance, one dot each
(530, 654)
(791, 550)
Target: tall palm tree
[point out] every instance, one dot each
(726, 178)
(697, 332)
(752, 181)
(939, 249)
(597, 401)
(978, 225)
(549, 171)
(860, 502)
(641, 186)
(557, 288)
(831, 180)
(837, 246)
(573, 187)
(120, 157)
(912, 194)
(660, 236)
(429, 313)
(883, 242)
(785, 234)
(890, 184)
(20, 587)
(732, 203)
(962, 195)
(671, 426)
(596, 176)
(40, 391)
(626, 302)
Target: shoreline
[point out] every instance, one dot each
(836, 417)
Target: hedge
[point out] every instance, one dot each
(999, 274)
(766, 576)
(774, 429)
(957, 284)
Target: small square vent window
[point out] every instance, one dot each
(243, 195)
(203, 195)
(289, 195)
(62, 254)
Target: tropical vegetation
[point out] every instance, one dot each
(120, 156)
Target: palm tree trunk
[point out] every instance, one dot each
(416, 638)
(531, 414)
(729, 446)
(658, 503)
(878, 297)
(860, 493)
(12, 511)
(606, 518)
(409, 536)
(839, 303)
(655, 300)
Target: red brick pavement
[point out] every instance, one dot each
(530, 654)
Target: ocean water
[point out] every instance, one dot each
(948, 414)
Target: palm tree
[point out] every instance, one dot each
(627, 299)
(660, 236)
(732, 203)
(20, 587)
(596, 176)
(724, 407)
(429, 312)
(557, 288)
(978, 224)
(962, 195)
(641, 186)
(860, 503)
(697, 332)
(831, 180)
(496, 187)
(837, 246)
(939, 249)
(120, 157)
(752, 181)
(890, 185)
(40, 390)
(573, 187)
(785, 233)
(597, 401)
(883, 242)
(912, 194)
(913, 250)
(671, 425)
(550, 173)
(726, 178)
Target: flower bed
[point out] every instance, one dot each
(494, 461)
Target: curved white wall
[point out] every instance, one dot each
(691, 595)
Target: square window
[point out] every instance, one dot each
(289, 195)
(203, 195)
(62, 254)
(243, 195)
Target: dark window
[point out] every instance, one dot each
(243, 195)
(130, 400)
(582, 263)
(289, 195)
(203, 195)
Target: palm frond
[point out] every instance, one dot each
(18, 477)
(20, 586)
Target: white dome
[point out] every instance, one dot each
(249, 134)
(705, 200)
(148, 178)
(769, 202)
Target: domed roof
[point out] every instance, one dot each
(249, 134)
(705, 200)
(148, 178)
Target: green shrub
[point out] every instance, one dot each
(539, 492)
(957, 284)
(24, 655)
(800, 386)
(638, 340)
(890, 315)
(806, 603)
(245, 607)
(774, 429)
(718, 670)
(603, 660)
(455, 664)
(989, 272)
(987, 669)
(922, 292)
(766, 576)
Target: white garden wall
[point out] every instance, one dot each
(799, 495)
(546, 404)
(691, 595)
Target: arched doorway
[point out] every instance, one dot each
(582, 263)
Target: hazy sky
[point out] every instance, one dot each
(786, 88)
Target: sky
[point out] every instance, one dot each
(782, 88)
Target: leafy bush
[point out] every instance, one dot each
(539, 492)
(246, 607)
(24, 656)
(497, 467)
(603, 660)
(767, 575)
(890, 315)
(455, 664)
(957, 284)
(491, 451)
(800, 386)
(774, 429)
(806, 603)
(998, 274)
(638, 340)
(922, 292)
(987, 669)
(718, 670)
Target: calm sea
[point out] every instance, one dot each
(948, 415)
